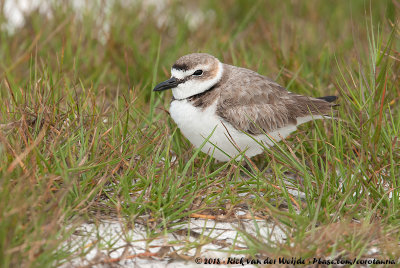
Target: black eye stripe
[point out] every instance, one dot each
(198, 72)
(183, 80)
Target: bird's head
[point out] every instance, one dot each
(192, 74)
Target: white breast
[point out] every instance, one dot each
(197, 124)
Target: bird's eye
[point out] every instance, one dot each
(198, 72)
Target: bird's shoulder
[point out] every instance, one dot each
(252, 102)
(247, 83)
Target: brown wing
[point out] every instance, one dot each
(252, 101)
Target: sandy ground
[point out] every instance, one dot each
(111, 242)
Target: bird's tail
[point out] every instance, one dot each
(328, 98)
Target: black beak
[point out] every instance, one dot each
(170, 83)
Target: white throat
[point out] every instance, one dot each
(193, 87)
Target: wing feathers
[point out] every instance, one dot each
(251, 101)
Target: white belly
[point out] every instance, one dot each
(197, 124)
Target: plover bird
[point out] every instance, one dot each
(239, 107)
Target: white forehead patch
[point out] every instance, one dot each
(180, 74)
